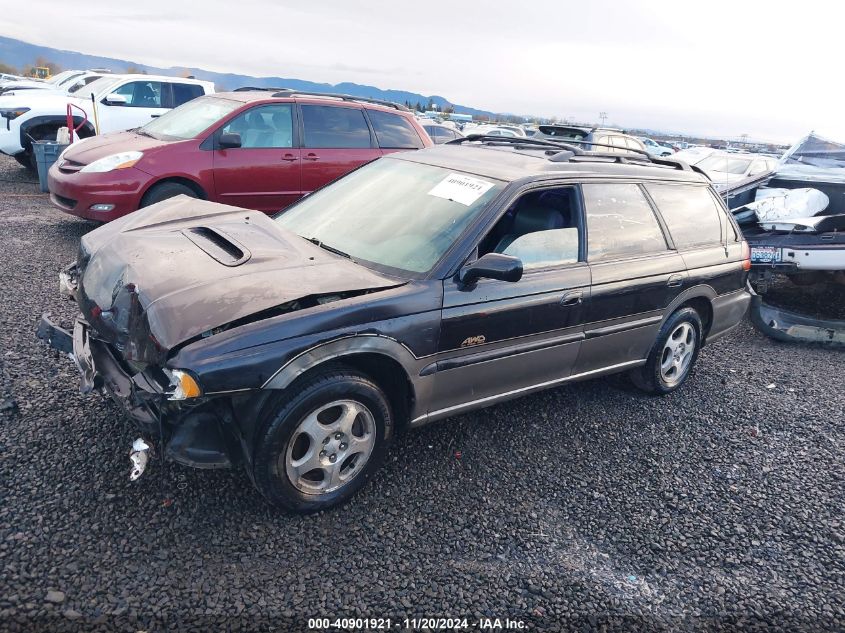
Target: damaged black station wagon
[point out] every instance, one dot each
(417, 287)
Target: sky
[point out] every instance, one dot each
(720, 68)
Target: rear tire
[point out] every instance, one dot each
(165, 190)
(673, 355)
(322, 440)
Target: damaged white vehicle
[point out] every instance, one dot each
(796, 228)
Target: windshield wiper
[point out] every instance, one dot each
(331, 249)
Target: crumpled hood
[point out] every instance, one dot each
(183, 267)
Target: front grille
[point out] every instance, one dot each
(66, 203)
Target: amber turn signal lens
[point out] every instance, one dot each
(185, 386)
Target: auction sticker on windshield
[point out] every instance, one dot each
(461, 188)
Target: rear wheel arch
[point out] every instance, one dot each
(700, 298)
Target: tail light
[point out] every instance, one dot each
(746, 256)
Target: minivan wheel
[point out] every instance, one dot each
(323, 442)
(673, 355)
(165, 190)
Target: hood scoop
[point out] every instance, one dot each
(215, 243)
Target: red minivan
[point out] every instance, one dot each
(255, 149)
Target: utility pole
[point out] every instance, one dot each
(603, 117)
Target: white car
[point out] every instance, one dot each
(494, 130)
(68, 85)
(654, 148)
(727, 170)
(122, 102)
(56, 81)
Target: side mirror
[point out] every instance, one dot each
(492, 266)
(229, 140)
(115, 100)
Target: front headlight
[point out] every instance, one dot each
(12, 113)
(184, 385)
(123, 160)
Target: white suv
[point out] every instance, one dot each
(122, 102)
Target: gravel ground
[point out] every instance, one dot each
(588, 507)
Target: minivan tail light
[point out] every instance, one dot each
(746, 256)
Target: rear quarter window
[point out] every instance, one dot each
(690, 212)
(394, 131)
(620, 222)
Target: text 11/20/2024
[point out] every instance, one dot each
(412, 624)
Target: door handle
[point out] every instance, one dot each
(154, 116)
(675, 281)
(289, 158)
(572, 298)
(311, 156)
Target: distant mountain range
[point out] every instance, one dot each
(19, 54)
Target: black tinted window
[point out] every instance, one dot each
(690, 213)
(333, 126)
(394, 130)
(182, 93)
(620, 222)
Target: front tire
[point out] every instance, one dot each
(673, 355)
(322, 440)
(165, 190)
(26, 159)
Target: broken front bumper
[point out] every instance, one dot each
(99, 369)
(194, 436)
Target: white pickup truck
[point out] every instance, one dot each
(109, 104)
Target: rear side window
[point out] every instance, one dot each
(620, 222)
(182, 93)
(335, 127)
(690, 213)
(394, 131)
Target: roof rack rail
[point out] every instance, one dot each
(290, 92)
(570, 150)
(516, 141)
(254, 88)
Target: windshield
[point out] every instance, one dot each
(99, 87)
(393, 213)
(60, 77)
(191, 118)
(725, 164)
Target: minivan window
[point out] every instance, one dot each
(394, 131)
(264, 126)
(620, 222)
(334, 127)
(690, 213)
